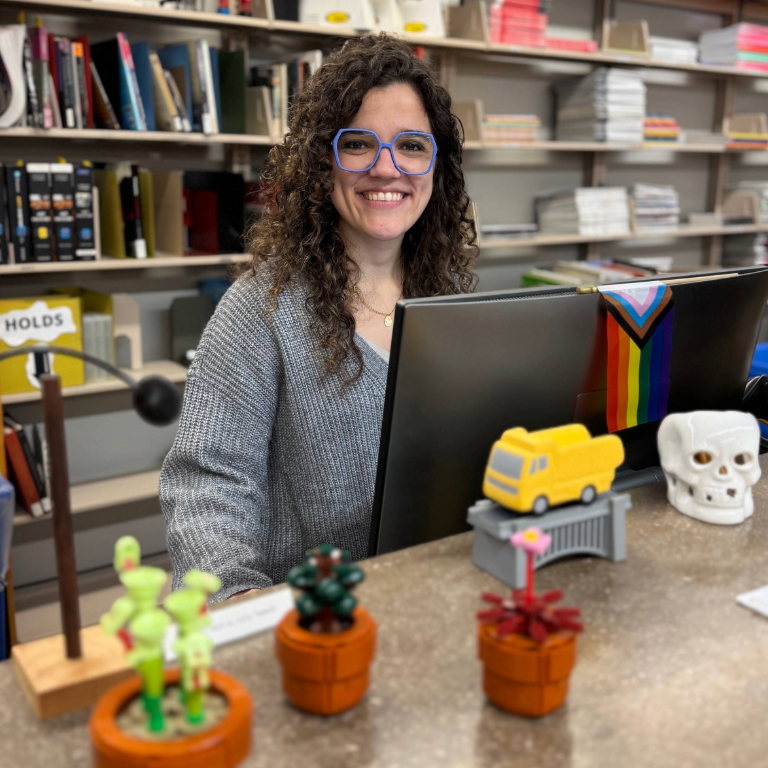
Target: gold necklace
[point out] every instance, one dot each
(386, 315)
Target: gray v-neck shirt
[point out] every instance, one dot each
(271, 457)
(380, 351)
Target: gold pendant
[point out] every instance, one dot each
(388, 320)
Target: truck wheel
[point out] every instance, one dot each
(540, 506)
(588, 495)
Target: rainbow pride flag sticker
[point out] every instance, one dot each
(639, 327)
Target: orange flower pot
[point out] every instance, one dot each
(224, 745)
(326, 673)
(522, 676)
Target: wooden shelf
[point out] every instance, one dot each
(246, 23)
(167, 137)
(594, 146)
(574, 239)
(174, 372)
(104, 493)
(199, 139)
(160, 261)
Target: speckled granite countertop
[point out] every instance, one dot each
(670, 673)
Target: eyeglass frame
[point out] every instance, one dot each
(382, 145)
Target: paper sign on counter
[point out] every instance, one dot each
(756, 600)
(242, 618)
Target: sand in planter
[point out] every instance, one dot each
(132, 720)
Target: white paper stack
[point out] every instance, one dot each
(657, 207)
(600, 211)
(606, 105)
(672, 49)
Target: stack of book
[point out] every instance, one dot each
(189, 86)
(744, 46)
(490, 232)
(661, 130)
(25, 450)
(571, 44)
(745, 250)
(575, 273)
(598, 211)
(748, 131)
(606, 105)
(656, 208)
(518, 22)
(47, 213)
(673, 50)
(510, 129)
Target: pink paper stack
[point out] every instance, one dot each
(519, 22)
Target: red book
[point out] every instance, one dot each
(53, 59)
(83, 40)
(21, 473)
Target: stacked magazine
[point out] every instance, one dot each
(606, 105)
(745, 250)
(673, 50)
(744, 46)
(598, 211)
(657, 207)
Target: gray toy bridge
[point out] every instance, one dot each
(580, 529)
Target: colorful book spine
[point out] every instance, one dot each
(18, 216)
(39, 186)
(5, 256)
(63, 200)
(131, 107)
(23, 480)
(85, 248)
(38, 38)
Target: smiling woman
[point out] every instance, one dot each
(365, 203)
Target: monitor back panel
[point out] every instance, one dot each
(463, 372)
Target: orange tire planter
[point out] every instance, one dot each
(325, 674)
(522, 676)
(224, 745)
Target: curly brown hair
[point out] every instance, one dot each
(298, 234)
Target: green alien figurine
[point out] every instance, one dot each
(148, 631)
(193, 648)
(144, 584)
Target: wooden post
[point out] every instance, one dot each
(53, 415)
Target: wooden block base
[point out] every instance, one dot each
(55, 685)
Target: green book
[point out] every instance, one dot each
(232, 85)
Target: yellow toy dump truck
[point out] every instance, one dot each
(532, 471)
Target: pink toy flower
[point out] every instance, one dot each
(532, 540)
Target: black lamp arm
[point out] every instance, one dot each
(67, 352)
(155, 398)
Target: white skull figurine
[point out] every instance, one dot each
(710, 460)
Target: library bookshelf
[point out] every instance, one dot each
(468, 41)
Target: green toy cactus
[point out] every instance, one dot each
(193, 648)
(142, 625)
(326, 578)
(147, 631)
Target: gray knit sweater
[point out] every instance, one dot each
(271, 457)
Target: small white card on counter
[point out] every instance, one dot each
(756, 600)
(241, 618)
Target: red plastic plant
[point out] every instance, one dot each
(528, 614)
(534, 617)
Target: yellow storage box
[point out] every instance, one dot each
(40, 319)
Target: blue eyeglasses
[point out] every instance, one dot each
(358, 150)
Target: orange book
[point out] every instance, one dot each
(21, 473)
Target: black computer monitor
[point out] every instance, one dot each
(465, 368)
